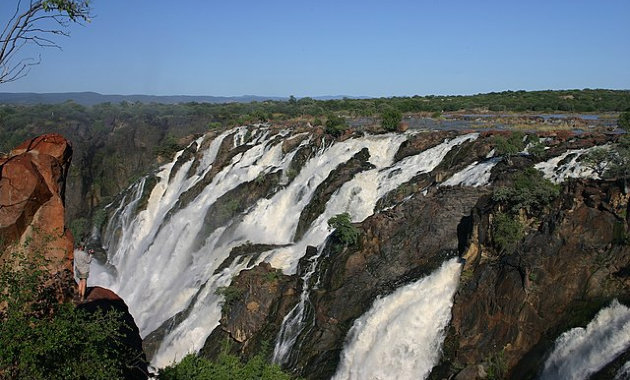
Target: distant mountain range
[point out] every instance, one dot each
(92, 98)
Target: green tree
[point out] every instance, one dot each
(225, 367)
(336, 125)
(345, 232)
(624, 121)
(390, 119)
(36, 22)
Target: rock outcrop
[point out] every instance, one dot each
(32, 189)
(514, 306)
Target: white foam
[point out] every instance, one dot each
(581, 352)
(401, 336)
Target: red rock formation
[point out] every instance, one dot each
(32, 185)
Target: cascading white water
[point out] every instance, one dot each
(581, 352)
(474, 175)
(358, 197)
(624, 372)
(400, 337)
(160, 266)
(572, 168)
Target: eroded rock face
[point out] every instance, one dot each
(32, 188)
(559, 277)
(252, 315)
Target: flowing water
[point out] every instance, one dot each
(163, 263)
(581, 352)
(400, 337)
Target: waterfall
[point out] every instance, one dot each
(162, 263)
(294, 322)
(474, 175)
(581, 352)
(358, 197)
(624, 372)
(567, 165)
(400, 337)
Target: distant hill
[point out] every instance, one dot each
(91, 98)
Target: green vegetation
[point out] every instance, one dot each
(168, 147)
(529, 191)
(274, 275)
(611, 162)
(225, 367)
(624, 121)
(42, 339)
(507, 231)
(80, 228)
(390, 119)
(496, 366)
(231, 294)
(336, 125)
(345, 232)
(510, 145)
(536, 147)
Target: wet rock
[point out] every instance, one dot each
(560, 275)
(337, 177)
(389, 254)
(251, 318)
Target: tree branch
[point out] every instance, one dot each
(30, 24)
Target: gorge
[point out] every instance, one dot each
(231, 241)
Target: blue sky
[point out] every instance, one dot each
(313, 48)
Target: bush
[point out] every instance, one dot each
(226, 367)
(613, 162)
(529, 191)
(42, 339)
(624, 121)
(336, 125)
(507, 231)
(509, 146)
(345, 232)
(168, 147)
(230, 294)
(80, 228)
(391, 118)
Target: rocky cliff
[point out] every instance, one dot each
(32, 192)
(510, 306)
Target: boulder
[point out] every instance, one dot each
(32, 189)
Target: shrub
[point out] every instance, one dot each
(390, 119)
(624, 121)
(336, 125)
(345, 232)
(509, 146)
(613, 162)
(496, 366)
(529, 191)
(507, 231)
(230, 294)
(79, 228)
(225, 367)
(43, 339)
(167, 148)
